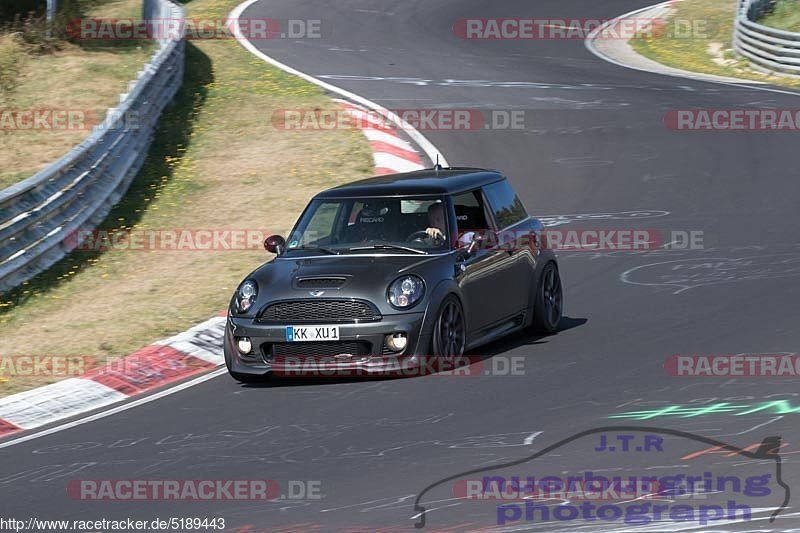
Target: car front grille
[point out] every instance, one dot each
(315, 349)
(320, 311)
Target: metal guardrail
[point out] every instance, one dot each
(38, 216)
(769, 48)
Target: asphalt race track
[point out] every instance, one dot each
(594, 143)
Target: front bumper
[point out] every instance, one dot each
(271, 354)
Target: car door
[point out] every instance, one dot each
(509, 216)
(483, 275)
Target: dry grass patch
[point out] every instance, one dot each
(86, 76)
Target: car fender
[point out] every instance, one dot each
(437, 294)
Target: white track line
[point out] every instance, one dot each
(430, 150)
(529, 439)
(115, 410)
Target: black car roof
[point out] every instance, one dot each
(428, 181)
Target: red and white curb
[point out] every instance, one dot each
(197, 350)
(390, 152)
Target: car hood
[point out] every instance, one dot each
(366, 276)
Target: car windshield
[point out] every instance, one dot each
(358, 225)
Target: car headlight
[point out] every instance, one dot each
(246, 295)
(405, 292)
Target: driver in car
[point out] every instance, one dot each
(435, 229)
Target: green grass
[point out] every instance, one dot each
(785, 16)
(707, 50)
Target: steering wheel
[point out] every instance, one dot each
(421, 235)
(417, 236)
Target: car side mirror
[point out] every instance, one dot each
(469, 244)
(474, 244)
(275, 244)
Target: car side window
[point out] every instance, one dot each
(470, 212)
(471, 216)
(505, 204)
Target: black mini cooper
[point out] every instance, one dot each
(394, 272)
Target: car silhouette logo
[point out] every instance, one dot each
(316, 293)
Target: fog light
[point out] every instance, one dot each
(244, 345)
(396, 342)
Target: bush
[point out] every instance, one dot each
(11, 9)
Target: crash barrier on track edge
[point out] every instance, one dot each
(40, 214)
(769, 48)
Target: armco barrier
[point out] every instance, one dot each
(38, 215)
(769, 48)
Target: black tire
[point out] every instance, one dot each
(449, 330)
(548, 303)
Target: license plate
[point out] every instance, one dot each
(312, 333)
